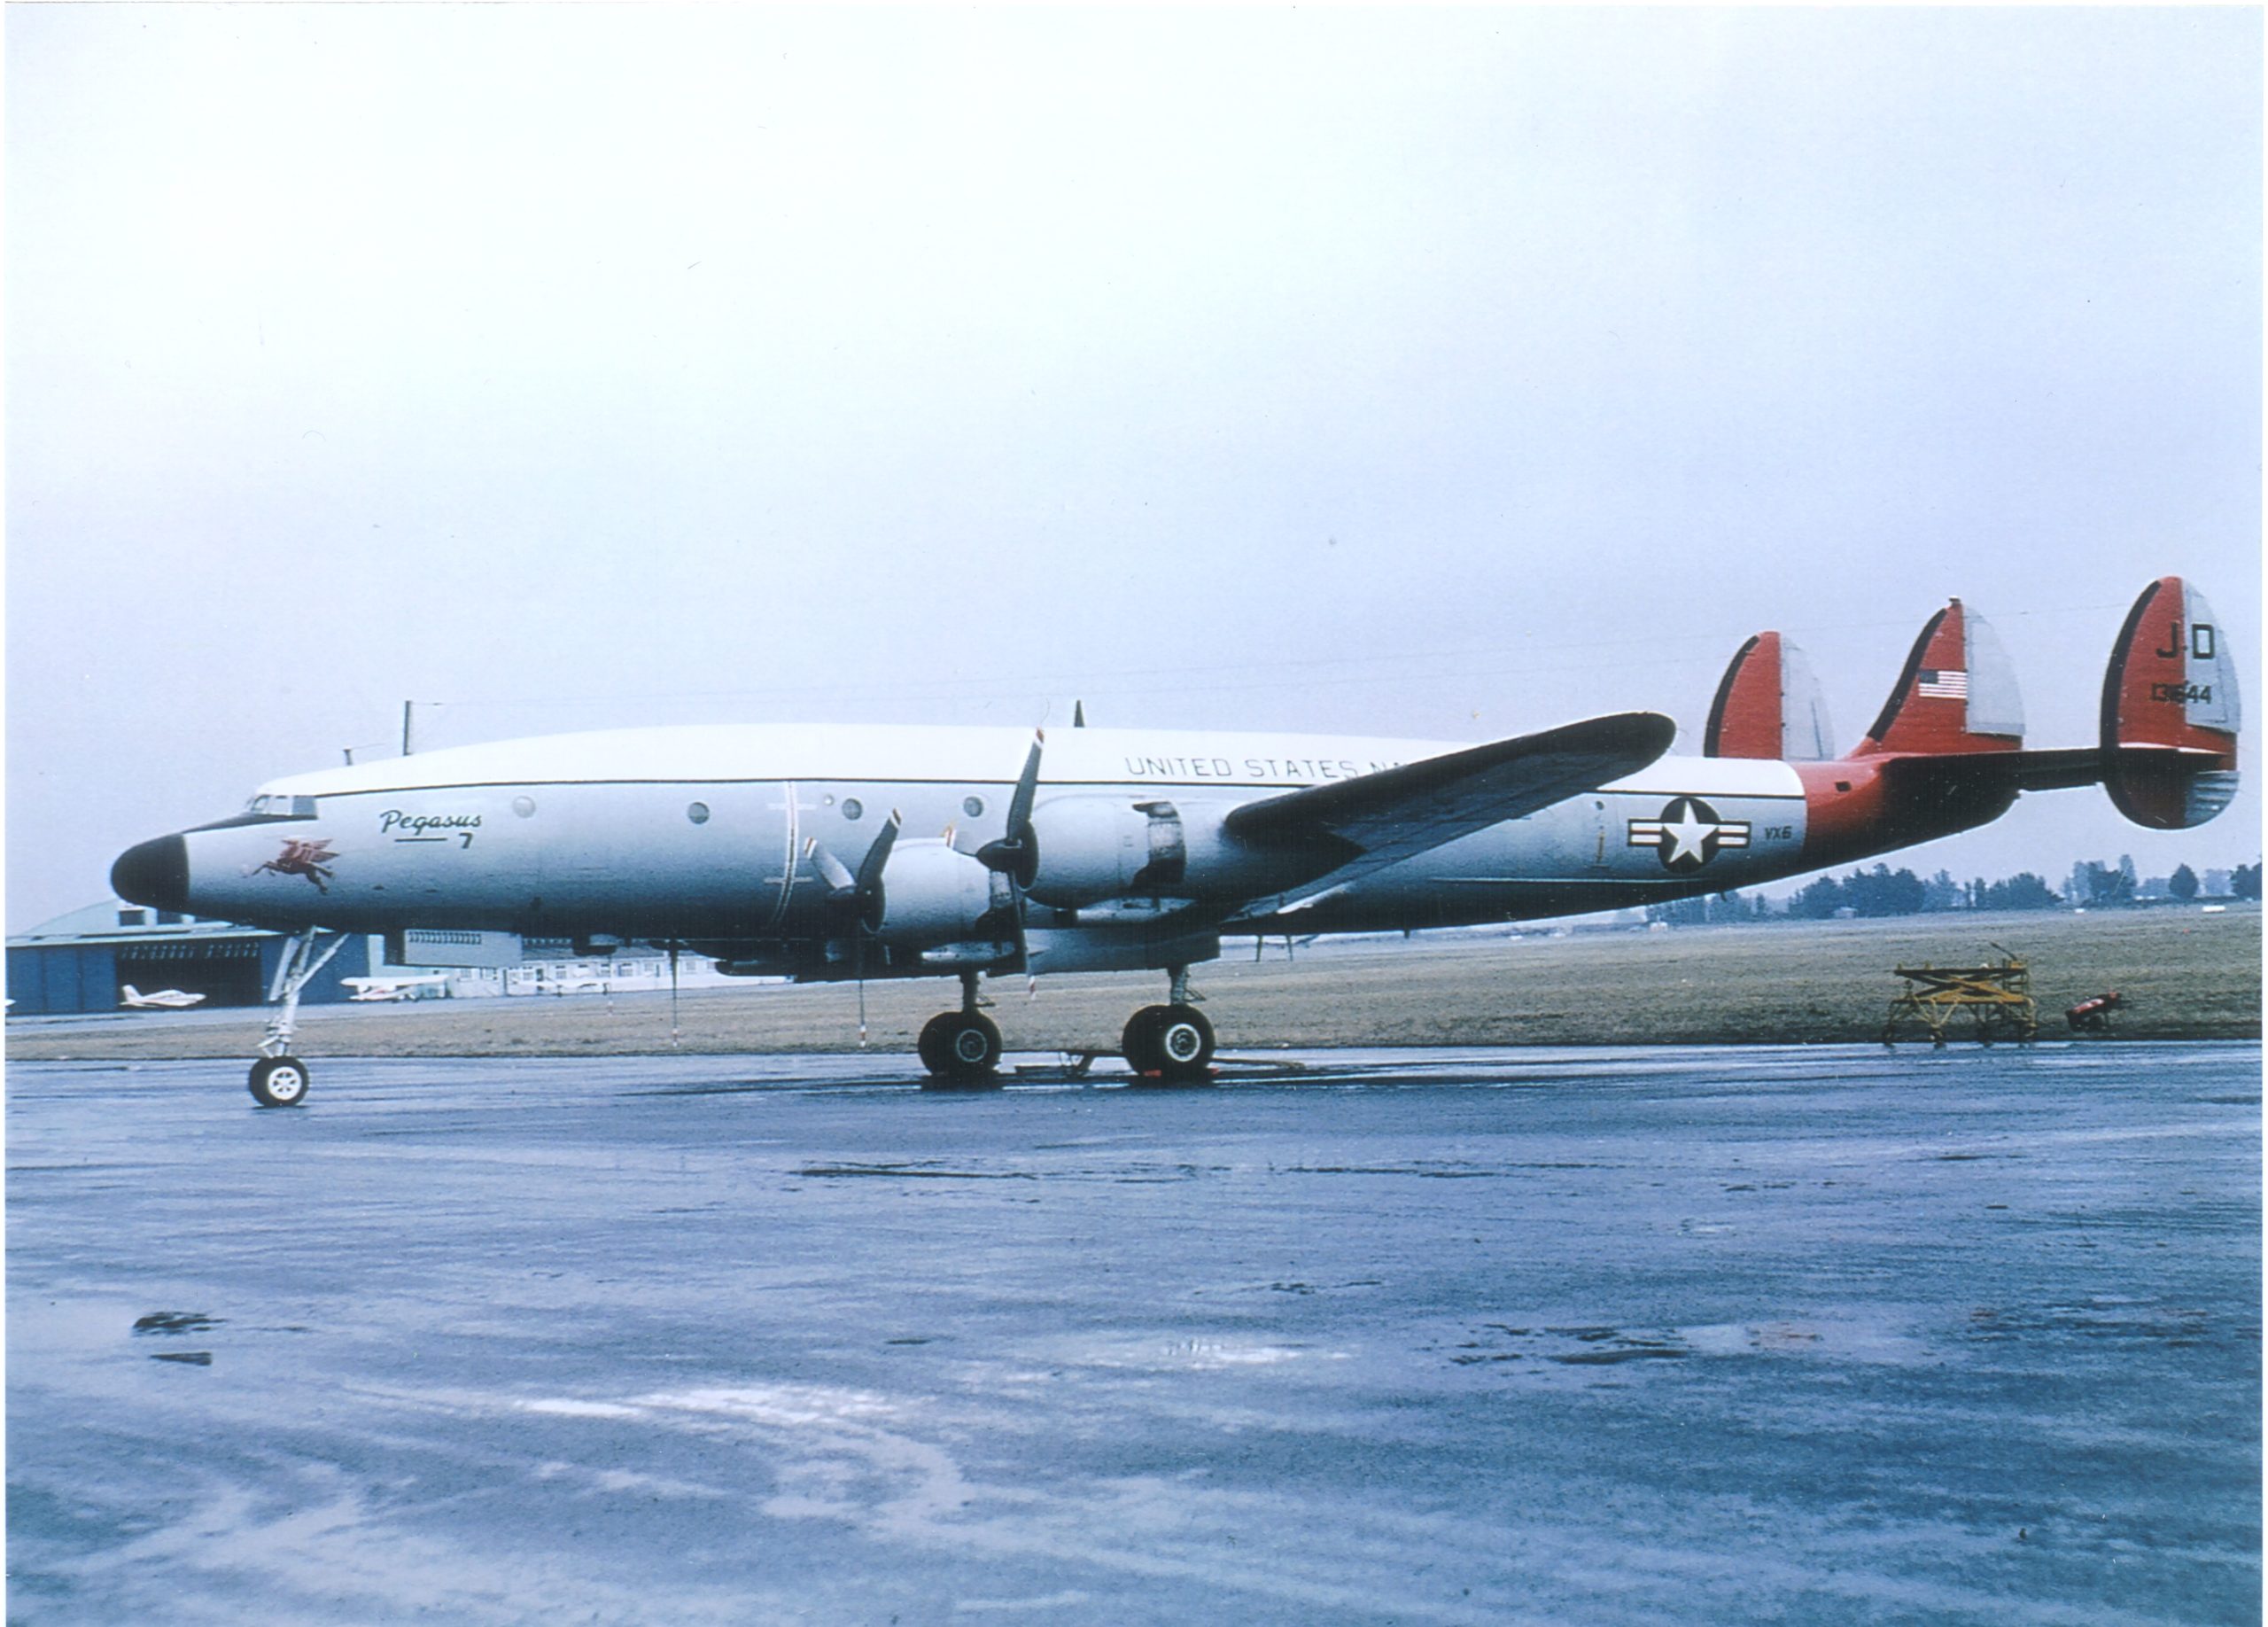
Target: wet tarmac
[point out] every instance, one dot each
(1453, 1337)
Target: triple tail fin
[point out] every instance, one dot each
(1957, 695)
(1769, 705)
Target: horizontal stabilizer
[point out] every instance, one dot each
(1769, 705)
(1957, 694)
(1980, 784)
(1385, 817)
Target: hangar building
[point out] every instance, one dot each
(78, 962)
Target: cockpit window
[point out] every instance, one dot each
(266, 809)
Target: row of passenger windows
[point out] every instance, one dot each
(974, 806)
(852, 808)
(303, 807)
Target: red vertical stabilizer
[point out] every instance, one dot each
(2171, 712)
(1769, 705)
(1957, 695)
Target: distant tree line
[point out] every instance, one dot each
(2022, 891)
(2094, 883)
(1717, 909)
(1884, 892)
(1879, 891)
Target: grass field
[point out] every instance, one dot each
(2184, 975)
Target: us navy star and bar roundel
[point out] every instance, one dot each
(1687, 834)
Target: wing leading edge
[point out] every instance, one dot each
(1390, 815)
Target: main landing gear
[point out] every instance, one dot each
(1170, 1044)
(1173, 1042)
(961, 1049)
(279, 1078)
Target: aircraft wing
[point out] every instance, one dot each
(1383, 818)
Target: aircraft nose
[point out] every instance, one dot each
(155, 873)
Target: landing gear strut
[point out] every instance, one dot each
(279, 1078)
(1173, 1041)
(961, 1049)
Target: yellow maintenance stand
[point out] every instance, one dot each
(1998, 998)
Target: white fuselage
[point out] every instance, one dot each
(711, 834)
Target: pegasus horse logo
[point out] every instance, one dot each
(312, 860)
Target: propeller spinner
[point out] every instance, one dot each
(857, 897)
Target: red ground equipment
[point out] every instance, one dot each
(2093, 1016)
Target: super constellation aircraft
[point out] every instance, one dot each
(779, 850)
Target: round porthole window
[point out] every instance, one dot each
(698, 813)
(974, 806)
(524, 805)
(852, 808)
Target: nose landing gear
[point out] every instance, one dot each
(278, 1079)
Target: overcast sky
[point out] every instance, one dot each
(1440, 375)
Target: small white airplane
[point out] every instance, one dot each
(776, 850)
(393, 988)
(164, 1000)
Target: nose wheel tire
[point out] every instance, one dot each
(961, 1047)
(1174, 1042)
(279, 1081)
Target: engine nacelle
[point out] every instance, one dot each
(933, 894)
(1086, 849)
(1089, 848)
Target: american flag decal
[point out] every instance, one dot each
(1946, 685)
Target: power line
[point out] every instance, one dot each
(1303, 673)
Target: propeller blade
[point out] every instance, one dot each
(1027, 787)
(1005, 918)
(1013, 856)
(861, 895)
(870, 867)
(840, 882)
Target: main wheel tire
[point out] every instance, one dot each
(1139, 1043)
(1183, 1039)
(937, 1041)
(971, 1052)
(279, 1081)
